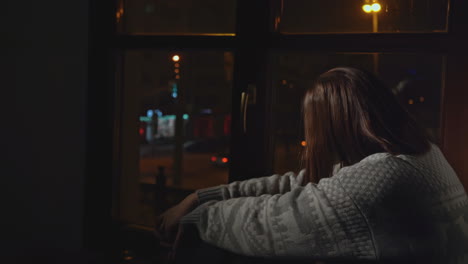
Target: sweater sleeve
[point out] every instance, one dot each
(306, 222)
(275, 184)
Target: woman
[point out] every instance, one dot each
(383, 192)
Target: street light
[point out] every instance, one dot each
(177, 94)
(367, 8)
(376, 7)
(373, 8)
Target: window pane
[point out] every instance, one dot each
(177, 16)
(416, 79)
(344, 16)
(176, 121)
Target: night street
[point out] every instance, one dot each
(198, 172)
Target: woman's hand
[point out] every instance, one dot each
(167, 224)
(187, 237)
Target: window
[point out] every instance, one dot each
(244, 66)
(232, 98)
(177, 122)
(178, 17)
(416, 79)
(363, 16)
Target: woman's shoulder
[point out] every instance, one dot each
(377, 160)
(376, 166)
(382, 167)
(388, 160)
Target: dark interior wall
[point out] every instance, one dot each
(42, 104)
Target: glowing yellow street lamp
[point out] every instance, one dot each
(376, 7)
(367, 8)
(177, 94)
(373, 8)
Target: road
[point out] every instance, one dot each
(197, 170)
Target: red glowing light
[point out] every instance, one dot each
(141, 131)
(213, 159)
(224, 160)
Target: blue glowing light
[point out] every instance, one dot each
(174, 90)
(158, 112)
(149, 113)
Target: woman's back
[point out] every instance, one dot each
(416, 207)
(441, 209)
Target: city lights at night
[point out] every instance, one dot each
(367, 8)
(375, 7)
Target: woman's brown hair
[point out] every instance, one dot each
(350, 114)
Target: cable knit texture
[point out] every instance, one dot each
(390, 208)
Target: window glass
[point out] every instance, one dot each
(416, 79)
(344, 16)
(176, 126)
(177, 17)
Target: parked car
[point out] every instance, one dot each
(220, 160)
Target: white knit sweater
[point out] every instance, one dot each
(384, 207)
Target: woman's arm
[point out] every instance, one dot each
(312, 221)
(275, 184)
(167, 223)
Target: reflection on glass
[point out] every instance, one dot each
(416, 80)
(178, 107)
(363, 16)
(177, 17)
